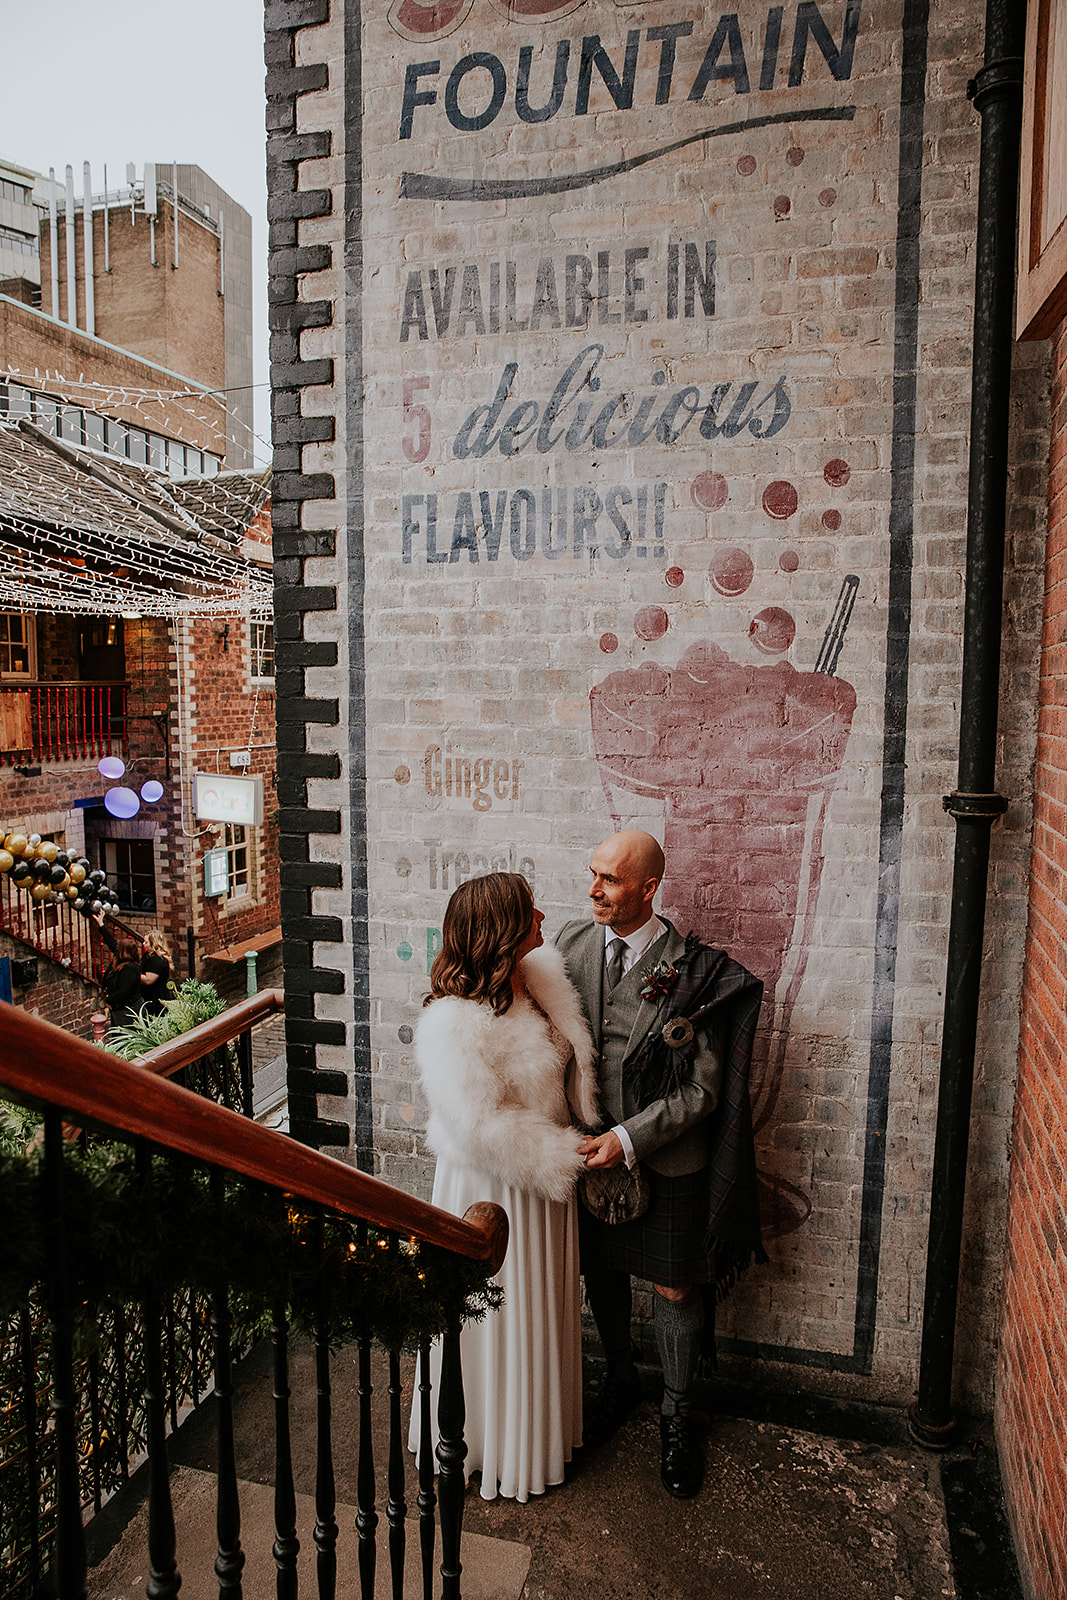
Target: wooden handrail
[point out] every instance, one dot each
(167, 1059)
(42, 1064)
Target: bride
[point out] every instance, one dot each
(507, 1062)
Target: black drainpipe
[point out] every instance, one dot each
(997, 95)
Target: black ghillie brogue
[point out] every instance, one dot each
(681, 1465)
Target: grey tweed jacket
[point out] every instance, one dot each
(670, 1135)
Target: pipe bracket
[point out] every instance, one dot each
(996, 81)
(974, 807)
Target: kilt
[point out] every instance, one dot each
(665, 1246)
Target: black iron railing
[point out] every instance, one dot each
(312, 1238)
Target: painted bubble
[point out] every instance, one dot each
(780, 499)
(731, 571)
(772, 630)
(111, 767)
(151, 791)
(675, 577)
(837, 473)
(121, 802)
(404, 950)
(609, 643)
(832, 520)
(794, 156)
(789, 561)
(746, 165)
(709, 491)
(782, 205)
(827, 197)
(405, 1034)
(650, 623)
(401, 775)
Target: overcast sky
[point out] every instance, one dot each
(122, 80)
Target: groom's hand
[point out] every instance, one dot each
(601, 1150)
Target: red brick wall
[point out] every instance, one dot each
(1032, 1378)
(227, 715)
(58, 996)
(31, 343)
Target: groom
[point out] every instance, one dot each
(661, 1110)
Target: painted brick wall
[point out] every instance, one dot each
(1032, 1372)
(514, 610)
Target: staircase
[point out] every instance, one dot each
(179, 1215)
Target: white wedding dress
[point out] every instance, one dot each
(522, 1364)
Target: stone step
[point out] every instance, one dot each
(493, 1568)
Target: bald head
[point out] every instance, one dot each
(627, 870)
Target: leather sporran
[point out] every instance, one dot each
(614, 1194)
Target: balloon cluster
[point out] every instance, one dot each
(50, 875)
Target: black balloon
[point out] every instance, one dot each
(62, 859)
(41, 869)
(57, 875)
(21, 871)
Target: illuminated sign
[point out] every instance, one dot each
(238, 801)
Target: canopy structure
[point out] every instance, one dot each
(80, 532)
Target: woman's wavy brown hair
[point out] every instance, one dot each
(485, 923)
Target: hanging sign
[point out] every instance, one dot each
(238, 801)
(216, 872)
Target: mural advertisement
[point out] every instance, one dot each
(636, 494)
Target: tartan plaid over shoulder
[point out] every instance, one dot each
(721, 999)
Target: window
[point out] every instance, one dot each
(94, 431)
(175, 458)
(71, 424)
(131, 872)
(15, 400)
(18, 242)
(46, 413)
(14, 191)
(18, 640)
(236, 841)
(261, 651)
(115, 435)
(211, 466)
(157, 452)
(137, 446)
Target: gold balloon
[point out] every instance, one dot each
(48, 851)
(77, 874)
(71, 891)
(16, 843)
(41, 891)
(7, 861)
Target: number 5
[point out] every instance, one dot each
(417, 448)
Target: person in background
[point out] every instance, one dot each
(155, 971)
(122, 976)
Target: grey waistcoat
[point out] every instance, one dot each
(621, 1006)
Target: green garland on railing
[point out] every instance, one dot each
(129, 1227)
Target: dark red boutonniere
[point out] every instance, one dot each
(658, 980)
